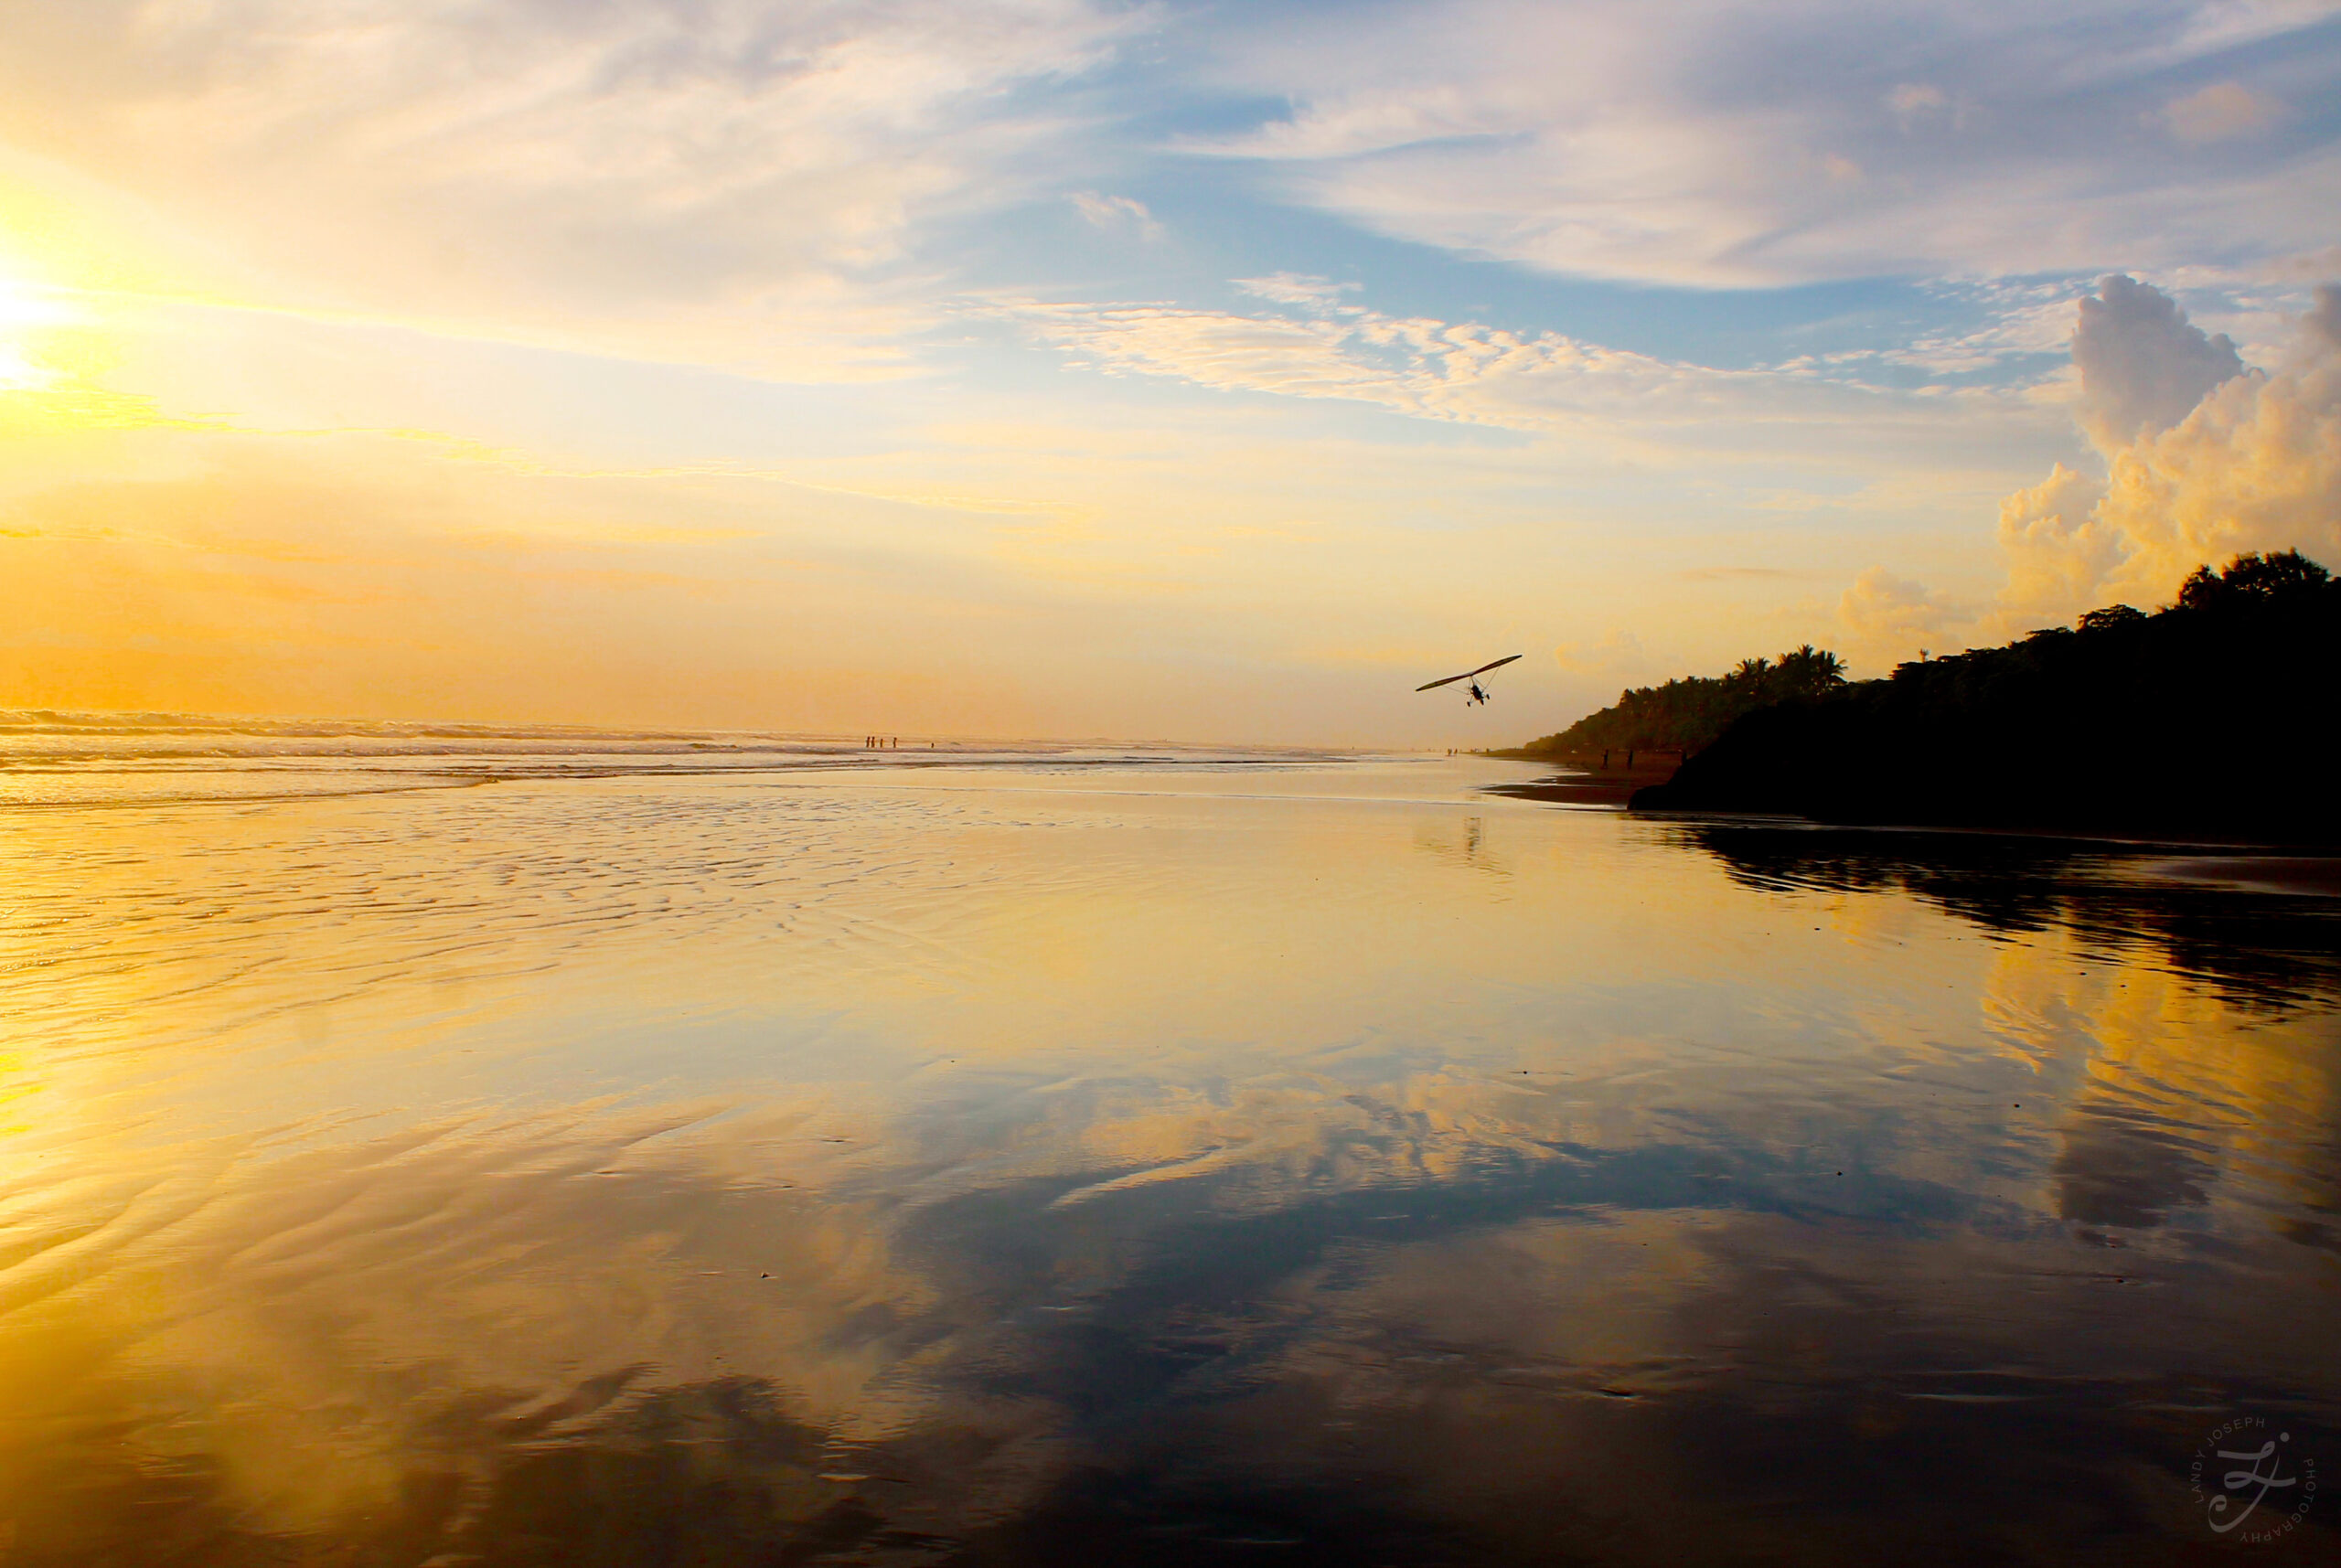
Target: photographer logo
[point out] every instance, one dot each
(2250, 1482)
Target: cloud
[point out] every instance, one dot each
(2057, 550)
(2144, 366)
(1464, 372)
(1885, 618)
(1619, 655)
(1296, 289)
(2321, 325)
(1117, 214)
(1914, 102)
(1713, 143)
(726, 181)
(2254, 464)
(2222, 112)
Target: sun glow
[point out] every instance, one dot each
(26, 311)
(57, 354)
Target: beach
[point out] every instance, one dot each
(1577, 781)
(507, 1150)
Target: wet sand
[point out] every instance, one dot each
(1134, 1159)
(1585, 784)
(2317, 875)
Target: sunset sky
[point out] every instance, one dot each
(1181, 370)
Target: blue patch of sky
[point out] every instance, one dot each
(1218, 226)
(1225, 220)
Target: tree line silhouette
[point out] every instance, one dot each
(2214, 717)
(1688, 714)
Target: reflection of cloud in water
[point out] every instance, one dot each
(2164, 1073)
(1594, 1357)
(2161, 1086)
(2125, 1171)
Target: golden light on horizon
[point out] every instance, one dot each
(27, 312)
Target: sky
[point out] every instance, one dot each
(1177, 370)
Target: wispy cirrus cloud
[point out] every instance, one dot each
(1714, 144)
(1302, 288)
(1117, 214)
(2222, 112)
(726, 181)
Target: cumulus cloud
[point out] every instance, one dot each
(2252, 463)
(1717, 144)
(2144, 366)
(2257, 466)
(1884, 618)
(2057, 549)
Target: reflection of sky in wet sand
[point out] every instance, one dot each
(1170, 1164)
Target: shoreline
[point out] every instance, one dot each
(2270, 864)
(2306, 875)
(1583, 783)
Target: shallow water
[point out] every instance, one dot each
(514, 1148)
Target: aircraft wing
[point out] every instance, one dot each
(1468, 674)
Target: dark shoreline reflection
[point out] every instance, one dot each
(2262, 949)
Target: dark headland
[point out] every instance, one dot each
(2213, 720)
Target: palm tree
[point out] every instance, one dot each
(1810, 671)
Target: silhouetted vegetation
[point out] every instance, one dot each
(2212, 718)
(1687, 714)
